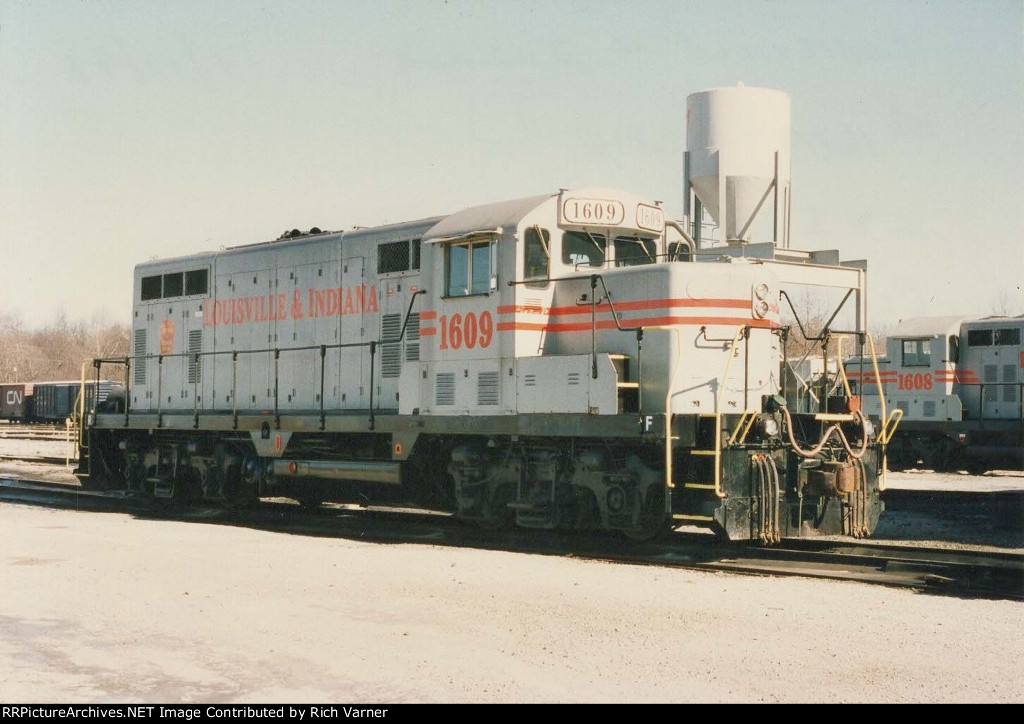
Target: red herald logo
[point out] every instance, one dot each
(166, 336)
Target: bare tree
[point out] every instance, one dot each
(57, 350)
(1002, 304)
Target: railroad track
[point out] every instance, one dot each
(57, 434)
(40, 459)
(963, 573)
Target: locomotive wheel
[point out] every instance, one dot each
(975, 465)
(498, 516)
(654, 522)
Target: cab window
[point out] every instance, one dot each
(468, 268)
(537, 257)
(583, 249)
(632, 251)
(678, 251)
(1008, 337)
(917, 353)
(979, 337)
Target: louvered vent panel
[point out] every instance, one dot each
(991, 374)
(390, 351)
(574, 378)
(1010, 390)
(487, 388)
(929, 408)
(140, 357)
(195, 346)
(444, 388)
(412, 338)
(529, 380)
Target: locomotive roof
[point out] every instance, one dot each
(486, 218)
(996, 319)
(930, 326)
(925, 326)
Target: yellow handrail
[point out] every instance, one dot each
(718, 415)
(842, 368)
(888, 424)
(81, 404)
(668, 407)
(744, 424)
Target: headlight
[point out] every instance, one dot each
(769, 426)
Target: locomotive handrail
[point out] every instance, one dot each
(743, 330)
(197, 356)
(889, 424)
(834, 428)
(80, 404)
(669, 483)
(997, 385)
(606, 298)
(825, 327)
(408, 314)
(842, 368)
(689, 240)
(746, 422)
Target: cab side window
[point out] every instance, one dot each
(917, 353)
(467, 268)
(537, 257)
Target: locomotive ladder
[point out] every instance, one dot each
(715, 452)
(627, 389)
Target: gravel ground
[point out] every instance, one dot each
(109, 608)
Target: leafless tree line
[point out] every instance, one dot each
(56, 350)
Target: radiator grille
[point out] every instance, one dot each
(487, 391)
(195, 367)
(139, 377)
(390, 350)
(990, 374)
(1009, 390)
(444, 388)
(412, 338)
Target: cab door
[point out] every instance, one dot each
(354, 361)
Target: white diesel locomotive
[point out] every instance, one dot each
(559, 361)
(565, 361)
(959, 385)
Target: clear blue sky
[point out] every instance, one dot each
(130, 130)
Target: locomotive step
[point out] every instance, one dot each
(162, 487)
(527, 507)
